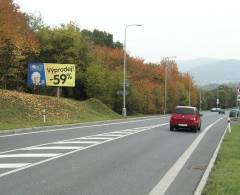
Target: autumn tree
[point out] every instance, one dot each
(103, 83)
(65, 44)
(98, 59)
(17, 43)
(101, 38)
(226, 94)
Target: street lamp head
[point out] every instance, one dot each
(133, 25)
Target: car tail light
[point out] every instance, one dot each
(193, 119)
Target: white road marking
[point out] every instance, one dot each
(13, 165)
(111, 135)
(68, 153)
(106, 135)
(71, 139)
(77, 142)
(93, 138)
(29, 155)
(80, 127)
(119, 133)
(172, 173)
(54, 148)
(130, 131)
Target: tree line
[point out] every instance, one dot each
(99, 62)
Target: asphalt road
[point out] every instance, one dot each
(135, 157)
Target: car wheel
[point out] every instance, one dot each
(199, 128)
(195, 129)
(171, 128)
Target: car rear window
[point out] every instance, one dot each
(234, 113)
(184, 111)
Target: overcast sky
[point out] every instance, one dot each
(183, 28)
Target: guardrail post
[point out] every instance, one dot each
(44, 116)
(229, 125)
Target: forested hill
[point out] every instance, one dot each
(98, 60)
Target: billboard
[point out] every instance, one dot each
(48, 74)
(60, 75)
(36, 74)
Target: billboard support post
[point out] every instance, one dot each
(58, 92)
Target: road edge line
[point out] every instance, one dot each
(207, 172)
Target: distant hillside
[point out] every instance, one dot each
(225, 71)
(25, 110)
(215, 86)
(187, 65)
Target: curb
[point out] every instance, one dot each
(207, 172)
(14, 131)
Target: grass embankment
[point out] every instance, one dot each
(225, 177)
(19, 110)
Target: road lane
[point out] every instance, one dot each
(82, 143)
(195, 167)
(130, 165)
(10, 142)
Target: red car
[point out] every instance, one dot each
(185, 117)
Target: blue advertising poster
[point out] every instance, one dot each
(36, 74)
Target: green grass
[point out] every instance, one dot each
(225, 177)
(20, 110)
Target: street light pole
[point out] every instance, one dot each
(124, 110)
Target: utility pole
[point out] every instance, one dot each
(217, 96)
(200, 100)
(166, 61)
(165, 91)
(189, 90)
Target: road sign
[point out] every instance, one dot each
(238, 98)
(120, 92)
(217, 101)
(126, 83)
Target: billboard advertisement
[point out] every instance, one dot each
(36, 74)
(60, 75)
(49, 74)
